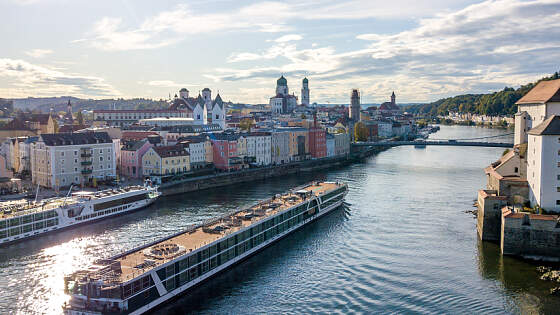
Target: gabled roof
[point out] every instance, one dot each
(218, 101)
(543, 92)
(56, 139)
(551, 126)
(170, 151)
(134, 145)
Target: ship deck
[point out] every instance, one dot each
(194, 239)
(15, 208)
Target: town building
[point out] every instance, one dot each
(341, 144)
(317, 141)
(225, 154)
(280, 146)
(538, 104)
(162, 161)
(259, 146)
(282, 102)
(127, 117)
(330, 145)
(543, 164)
(200, 150)
(62, 159)
(131, 158)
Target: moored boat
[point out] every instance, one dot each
(140, 279)
(22, 219)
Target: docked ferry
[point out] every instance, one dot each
(23, 219)
(142, 278)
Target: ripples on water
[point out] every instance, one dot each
(405, 246)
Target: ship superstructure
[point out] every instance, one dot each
(23, 219)
(142, 278)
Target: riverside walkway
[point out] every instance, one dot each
(435, 142)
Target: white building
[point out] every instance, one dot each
(219, 112)
(384, 129)
(259, 146)
(123, 118)
(543, 164)
(167, 121)
(280, 146)
(330, 145)
(538, 104)
(341, 143)
(59, 160)
(282, 102)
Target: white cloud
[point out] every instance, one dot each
(167, 83)
(288, 38)
(27, 79)
(38, 53)
(479, 48)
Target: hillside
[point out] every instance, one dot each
(497, 103)
(44, 104)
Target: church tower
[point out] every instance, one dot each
(393, 101)
(305, 92)
(282, 86)
(354, 110)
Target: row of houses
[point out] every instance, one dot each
(55, 160)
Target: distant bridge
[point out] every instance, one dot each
(435, 142)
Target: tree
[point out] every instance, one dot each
(246, 124)
(303, 116)
(80, 118)
(360, 132)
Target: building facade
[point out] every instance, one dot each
(123, 118)
(60, 160)
(166, 161)
(131, 158)
(259, 146)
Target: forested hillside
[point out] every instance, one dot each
(497, 103)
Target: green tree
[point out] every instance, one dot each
(360, 132)
(246, 124)
(80, 118)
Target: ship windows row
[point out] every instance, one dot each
(118, 202)
(13, 222)
(198, 264)
(28, 228)
(93, 215)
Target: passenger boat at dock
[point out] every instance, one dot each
(23, 219)
(147, 276)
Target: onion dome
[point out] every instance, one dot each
(282, 81)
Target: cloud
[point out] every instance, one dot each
(169, 27)
(480, 48)
(288, 38)
(38, 53)
(167, 83)
(26, 79)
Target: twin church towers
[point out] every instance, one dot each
(284, 102)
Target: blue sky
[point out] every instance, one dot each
(423, 50)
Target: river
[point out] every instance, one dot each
(406, 245)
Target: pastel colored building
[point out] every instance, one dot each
(131, 158)
(226, 157)
(317, 142)
(166, 160)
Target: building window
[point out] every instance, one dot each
(557, 189)
(61, 153)
(75, 152)
(558, 202)
(101, 159)
(516, 170)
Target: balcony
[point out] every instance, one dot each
(85, 155)
(86, 162)
(87, 171)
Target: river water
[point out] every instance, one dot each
(406, 245)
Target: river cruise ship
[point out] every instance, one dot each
(23, 219)
(145, 277)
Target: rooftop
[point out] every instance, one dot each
(543, 92)
(551, 126)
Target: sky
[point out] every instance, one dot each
(422, 50)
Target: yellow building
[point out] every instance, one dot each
(299, 143)
(166, 160)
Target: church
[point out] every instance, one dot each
(283, 102)
(202, 109)
(390, 107)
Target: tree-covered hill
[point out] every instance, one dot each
(497, 103)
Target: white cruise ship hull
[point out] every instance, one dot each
(65, 222)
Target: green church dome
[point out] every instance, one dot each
(282, 81)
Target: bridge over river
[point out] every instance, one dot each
(470, 142)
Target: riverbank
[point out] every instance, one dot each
(248, 175)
